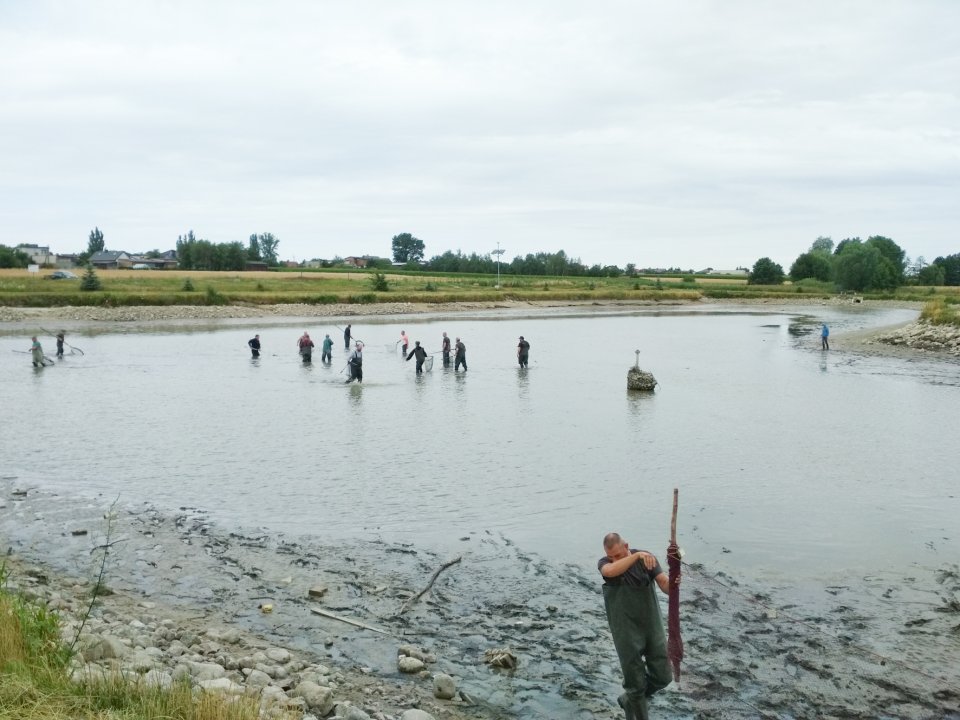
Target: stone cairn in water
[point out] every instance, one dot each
(638, 379)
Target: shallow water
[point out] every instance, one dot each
(789, 460)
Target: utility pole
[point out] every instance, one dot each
(498, 252)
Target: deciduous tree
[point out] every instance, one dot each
(813, 264)
(407, 248)
(766, 272)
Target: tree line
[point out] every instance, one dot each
(195, 254)
(877, 263)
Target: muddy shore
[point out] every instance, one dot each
(872, 646)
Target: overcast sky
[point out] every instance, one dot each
(687, 134)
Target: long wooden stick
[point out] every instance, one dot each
(673, 519)
(433, 579)
(348, 621)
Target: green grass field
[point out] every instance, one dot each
(126, 287)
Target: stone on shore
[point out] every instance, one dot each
(444, 686)
(222, 685)
(319, 699)
(415, 652)
(410, 665)
(416, 715)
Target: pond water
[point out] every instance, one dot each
(787, 458)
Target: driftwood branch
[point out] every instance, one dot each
(348, 621)
(433, 579)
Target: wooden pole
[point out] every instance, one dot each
(673, 519)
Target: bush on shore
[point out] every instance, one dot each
(938, 312)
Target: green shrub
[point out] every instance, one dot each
(430, 287)
(90, 281)
(939, 313)
(215, 298)
(378, 281)
(188, 285)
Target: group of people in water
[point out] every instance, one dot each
(458, 350)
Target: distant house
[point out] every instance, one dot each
(111, 260)
(256, 265)
(39, 254)
(166, 261)
(65, 262)
(364, 261)
(738, 271)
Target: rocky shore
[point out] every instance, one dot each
(187, 601)
(922, 335)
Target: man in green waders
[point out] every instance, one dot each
(634, 617)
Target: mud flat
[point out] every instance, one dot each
(880, 645)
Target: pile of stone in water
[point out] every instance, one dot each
(638, 379)
(159, 651)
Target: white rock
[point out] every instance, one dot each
(408, 664)
(278, 655)
(416, 715)
(350, 712)
(444, 686)
(222, 685)
(206, 671)
(318, 698)
(257, 679)
(415, 652)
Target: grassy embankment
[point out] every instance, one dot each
(35, 685)
(127, 287)
(938, 312)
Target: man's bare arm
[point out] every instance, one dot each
(619, 567)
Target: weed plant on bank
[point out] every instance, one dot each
(938, 312)
(35, 683)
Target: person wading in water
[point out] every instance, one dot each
(523, 352)
(633, 614)
(306, 346)
(419, 353)
(445, 348)
(355, 361)
(254, 344)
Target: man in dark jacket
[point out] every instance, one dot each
(420, 354)
(254, 345)
(445, 349)
(634, 617)
(460, 358)
(523, 352)
(355, 361)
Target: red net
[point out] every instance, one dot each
(674, 641)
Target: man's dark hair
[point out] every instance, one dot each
(611, 539)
